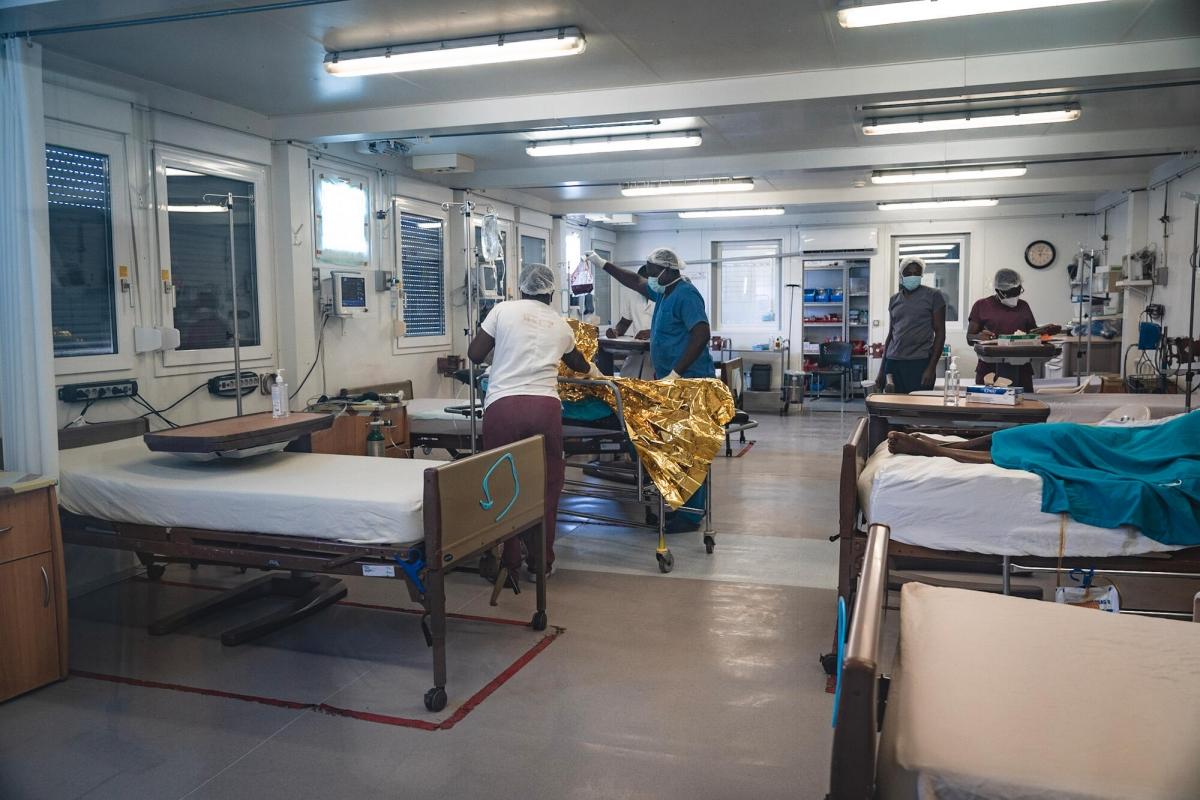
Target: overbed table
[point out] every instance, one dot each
(892, 411)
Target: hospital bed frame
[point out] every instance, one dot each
(463, 518)
(852, 544)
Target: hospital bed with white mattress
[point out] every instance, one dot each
(996, 697)
(974, 516)
(307, 513)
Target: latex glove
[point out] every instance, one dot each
(672, 376)
(595, 374)
(595, 260)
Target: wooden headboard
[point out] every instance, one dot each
(402, 387)
(101, 433)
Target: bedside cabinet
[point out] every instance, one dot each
(33, 602)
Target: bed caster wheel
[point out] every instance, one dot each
(709, 544)
(435, 699)
(538, 623)
(155, 571)
(666, 561)
(829, 663)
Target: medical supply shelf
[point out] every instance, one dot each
(851, 313)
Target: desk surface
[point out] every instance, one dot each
(924, 405)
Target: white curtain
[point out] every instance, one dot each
(27, 404)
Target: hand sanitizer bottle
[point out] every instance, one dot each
(279, 397)
(950, 385)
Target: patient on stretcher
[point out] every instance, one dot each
(1146, 476)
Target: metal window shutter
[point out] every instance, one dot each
(424, 281)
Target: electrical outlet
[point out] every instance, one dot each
(227, 386)
(98, 390)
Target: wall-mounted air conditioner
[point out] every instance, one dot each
(839, 240)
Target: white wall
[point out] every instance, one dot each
(994, 243)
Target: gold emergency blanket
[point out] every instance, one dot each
(677, 427)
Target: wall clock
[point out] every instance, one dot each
(1040, 254)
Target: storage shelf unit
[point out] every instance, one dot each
(847, 277)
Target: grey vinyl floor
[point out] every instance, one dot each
(699, 684)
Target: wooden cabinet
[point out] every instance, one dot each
(33, 608)
(348, 436)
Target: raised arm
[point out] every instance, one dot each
(630, 280)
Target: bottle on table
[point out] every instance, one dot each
(279, 396)
(950, 384)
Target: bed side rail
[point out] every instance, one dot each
(852, 768)
(854, 458)
(474, 503)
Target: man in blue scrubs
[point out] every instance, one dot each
(679, 337)
(679, 332)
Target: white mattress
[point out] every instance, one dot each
(344, 498)
(1003, 697)
(429, 415)
(979, 508)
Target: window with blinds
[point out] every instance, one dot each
(748, 278)
(200, 268)
(83, 293)
(421, 267)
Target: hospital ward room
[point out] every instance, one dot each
(600, 400)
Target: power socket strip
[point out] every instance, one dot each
(226, 385)
(98, 390)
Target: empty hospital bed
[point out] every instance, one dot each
(1000, 697)
(408, 520)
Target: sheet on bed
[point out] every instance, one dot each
(998, 696)
(345, 498)
(979, 508)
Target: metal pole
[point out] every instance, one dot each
(237, 336)
(1195, 264)
(472, 308)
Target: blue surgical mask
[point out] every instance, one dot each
(658, 287)
(910, 282)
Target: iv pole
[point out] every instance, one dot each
(466, 208)
(1194, 262)
(226, 200)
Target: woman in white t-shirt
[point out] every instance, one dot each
(529, 339)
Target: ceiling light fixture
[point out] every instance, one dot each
(613, 128)
(918, 204)
(612, 219)
(615, 144)
(1030, 115)
(495, 49)
(924, 10)
(948, 174)
(731, 212)
(710, 186)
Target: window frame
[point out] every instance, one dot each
(350, 176)
(403, 345)
(963, 240)
(186, 362)
(718, 276)
(113, 146)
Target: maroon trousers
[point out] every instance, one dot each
(517, 417)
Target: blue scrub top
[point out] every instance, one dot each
(676, 312)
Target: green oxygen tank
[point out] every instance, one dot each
(376, 445)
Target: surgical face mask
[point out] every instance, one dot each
(1011, 302)
(657, 287)
(910, 282)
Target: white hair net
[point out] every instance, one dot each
(666, 258)
(536, 279)
(905, 262)
(1006, 279)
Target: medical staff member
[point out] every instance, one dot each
(679, 330)
(1004, 312)
(916, 333)
(529, 339)
(679, 337)
(635, 312)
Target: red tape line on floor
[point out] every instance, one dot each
(471, 703)
(745, 449)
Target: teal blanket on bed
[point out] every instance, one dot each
(1147, 477)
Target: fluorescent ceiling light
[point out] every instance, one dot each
(495, 49)
(1031, 115)
(948, 174)
(664, 125)
(612, 219)
(977, 203)
(176, 172)
(714, 185)
(615, 144)
(731, 212)
(205, 209)
(923, 10)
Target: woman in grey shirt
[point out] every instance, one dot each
(916, 333)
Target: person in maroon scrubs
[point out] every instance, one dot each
(1002, 313)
